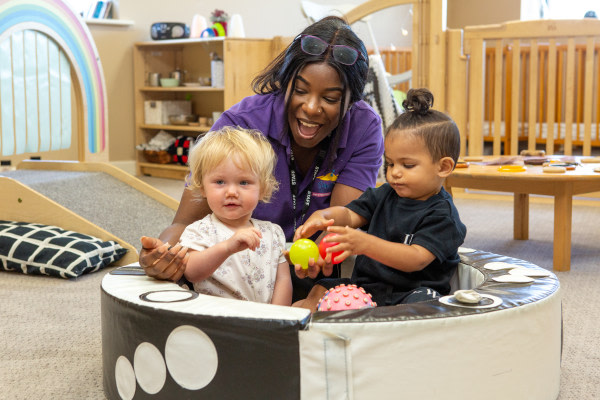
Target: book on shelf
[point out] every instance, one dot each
(100, 10)
(107, 10)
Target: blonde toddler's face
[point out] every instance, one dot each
(232, 192)
(411, 172)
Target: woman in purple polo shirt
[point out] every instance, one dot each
(328, 141)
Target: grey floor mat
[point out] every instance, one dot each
(98, 197)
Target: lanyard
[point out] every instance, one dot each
(294, 184)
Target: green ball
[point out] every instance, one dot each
(302, 250)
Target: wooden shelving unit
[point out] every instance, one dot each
(243, 59)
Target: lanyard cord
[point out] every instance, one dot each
(294, 184)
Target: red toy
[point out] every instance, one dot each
(345, 297)
(323, 246)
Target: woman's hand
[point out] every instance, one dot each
(314, 266)
(161, 261)
(315, 223)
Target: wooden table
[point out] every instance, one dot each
(563, 186)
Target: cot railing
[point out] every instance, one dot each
(499, 101)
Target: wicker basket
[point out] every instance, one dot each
(158, 157)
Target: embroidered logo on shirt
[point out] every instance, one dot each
(329, 177)
(324, 184)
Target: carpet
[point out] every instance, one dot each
(490, 228)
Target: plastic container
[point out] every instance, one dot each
(169, 82)
(217, 71)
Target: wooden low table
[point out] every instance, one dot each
(563, 186)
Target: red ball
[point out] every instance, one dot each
(323, 246)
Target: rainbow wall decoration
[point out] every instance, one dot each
(57, 20)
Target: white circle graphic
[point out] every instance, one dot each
(499, 265)
(169, 296)
(150, 369)
(125, 378)
(191, 357)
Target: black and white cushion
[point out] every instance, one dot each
(40, 249)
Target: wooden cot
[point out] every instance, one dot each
(553, 82)
(534, 106)
(495, 96)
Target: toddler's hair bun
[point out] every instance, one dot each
(418, 101)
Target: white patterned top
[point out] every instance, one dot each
(245, 275)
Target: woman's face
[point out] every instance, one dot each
(314, 106)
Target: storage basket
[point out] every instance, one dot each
(158, 157)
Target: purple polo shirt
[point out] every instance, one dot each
(357, 159)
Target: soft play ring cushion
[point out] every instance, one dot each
(162, 341)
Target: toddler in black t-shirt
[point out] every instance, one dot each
(410, 229)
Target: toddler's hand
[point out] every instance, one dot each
(246, 238)
(350, 242)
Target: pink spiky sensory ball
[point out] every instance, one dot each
(345, 297)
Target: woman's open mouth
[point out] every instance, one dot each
(307, 130)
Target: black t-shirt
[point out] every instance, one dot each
(433, 224)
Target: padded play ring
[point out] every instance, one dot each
(183, 346)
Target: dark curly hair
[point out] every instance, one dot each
(438, 131)
(284, 69)
(335, 31)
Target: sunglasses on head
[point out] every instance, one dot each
(316, 46)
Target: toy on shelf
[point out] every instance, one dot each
(219, 18)
(345, 297)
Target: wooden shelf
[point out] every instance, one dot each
(109, 22)
(171, 171)
(186, 41)
(243, 59)
(182, 128)
(182, 89)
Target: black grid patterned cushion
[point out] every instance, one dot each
(49, 250)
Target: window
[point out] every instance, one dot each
(572, 9)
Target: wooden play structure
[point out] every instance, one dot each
(428, 51)
(22, 203)
(53, 95)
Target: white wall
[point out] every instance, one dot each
(270, 18)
